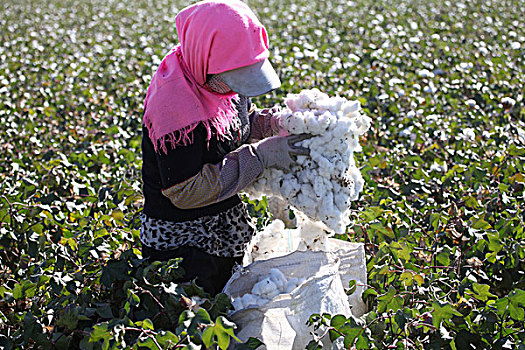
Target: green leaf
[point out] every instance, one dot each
(104, 311)
(517, 304)
(251, 344)
(115, 270)
(516, 312)
(223, 339)
(479, 223)
(494, 241)
(389, 301)
(145, 324)
(434, 220)
(166, 339)
(419, 279)
(68, 317)
(147, 343)
(222, 330)
(220, 305)
(379, 227)
(350, 336)
(207, 337)
(369, 291)
(352, 285)
(31, 327)
(17, 291)
(517, 297)
(337, 321)
(481, 291)
(442, 311)
(407, 278)
(100, 331)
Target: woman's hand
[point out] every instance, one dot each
(265, 123)
(280, 151)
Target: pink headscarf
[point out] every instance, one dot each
(215, 36)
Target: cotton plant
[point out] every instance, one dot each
(323, 184)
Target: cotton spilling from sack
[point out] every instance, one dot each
(315, 284)
(276, 240)
(323, 184)
(267, 288)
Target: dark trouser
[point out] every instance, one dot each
(212, 272)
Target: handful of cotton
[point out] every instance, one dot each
(267, 288)
(323, 184)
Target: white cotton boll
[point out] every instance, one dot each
(358, 181)
(324, 103)
(319, 188)
(311, 175)
(277, 277)
(340, 131)
(271, 294)
(237, 304)
(312, 124)
(296, 123)
(262, 301)
(346, 124)
(363, 124)
(275, 186)
(323, 163)
(350, 107)
(301, 160)
(289, 188)
(304, 200)
(337, 103)
(353, 145)
(324, 120)
(306, 101)
(341, 201)
(439, 168)
(249, 300)
(291, 285)
(470, 102)
(325, 175)
(302, 179)
(264, 287)
(292, 102)
(315, 143)
(508, 101)
(340, 228)
(328, 185)
(327, 205)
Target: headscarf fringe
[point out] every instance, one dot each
(224, 124)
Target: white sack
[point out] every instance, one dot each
(281, 323)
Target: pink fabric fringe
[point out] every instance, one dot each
(224, 123)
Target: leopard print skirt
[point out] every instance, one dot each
(225, 234)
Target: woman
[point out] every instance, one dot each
(196, 156)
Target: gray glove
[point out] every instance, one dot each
(277, 151)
